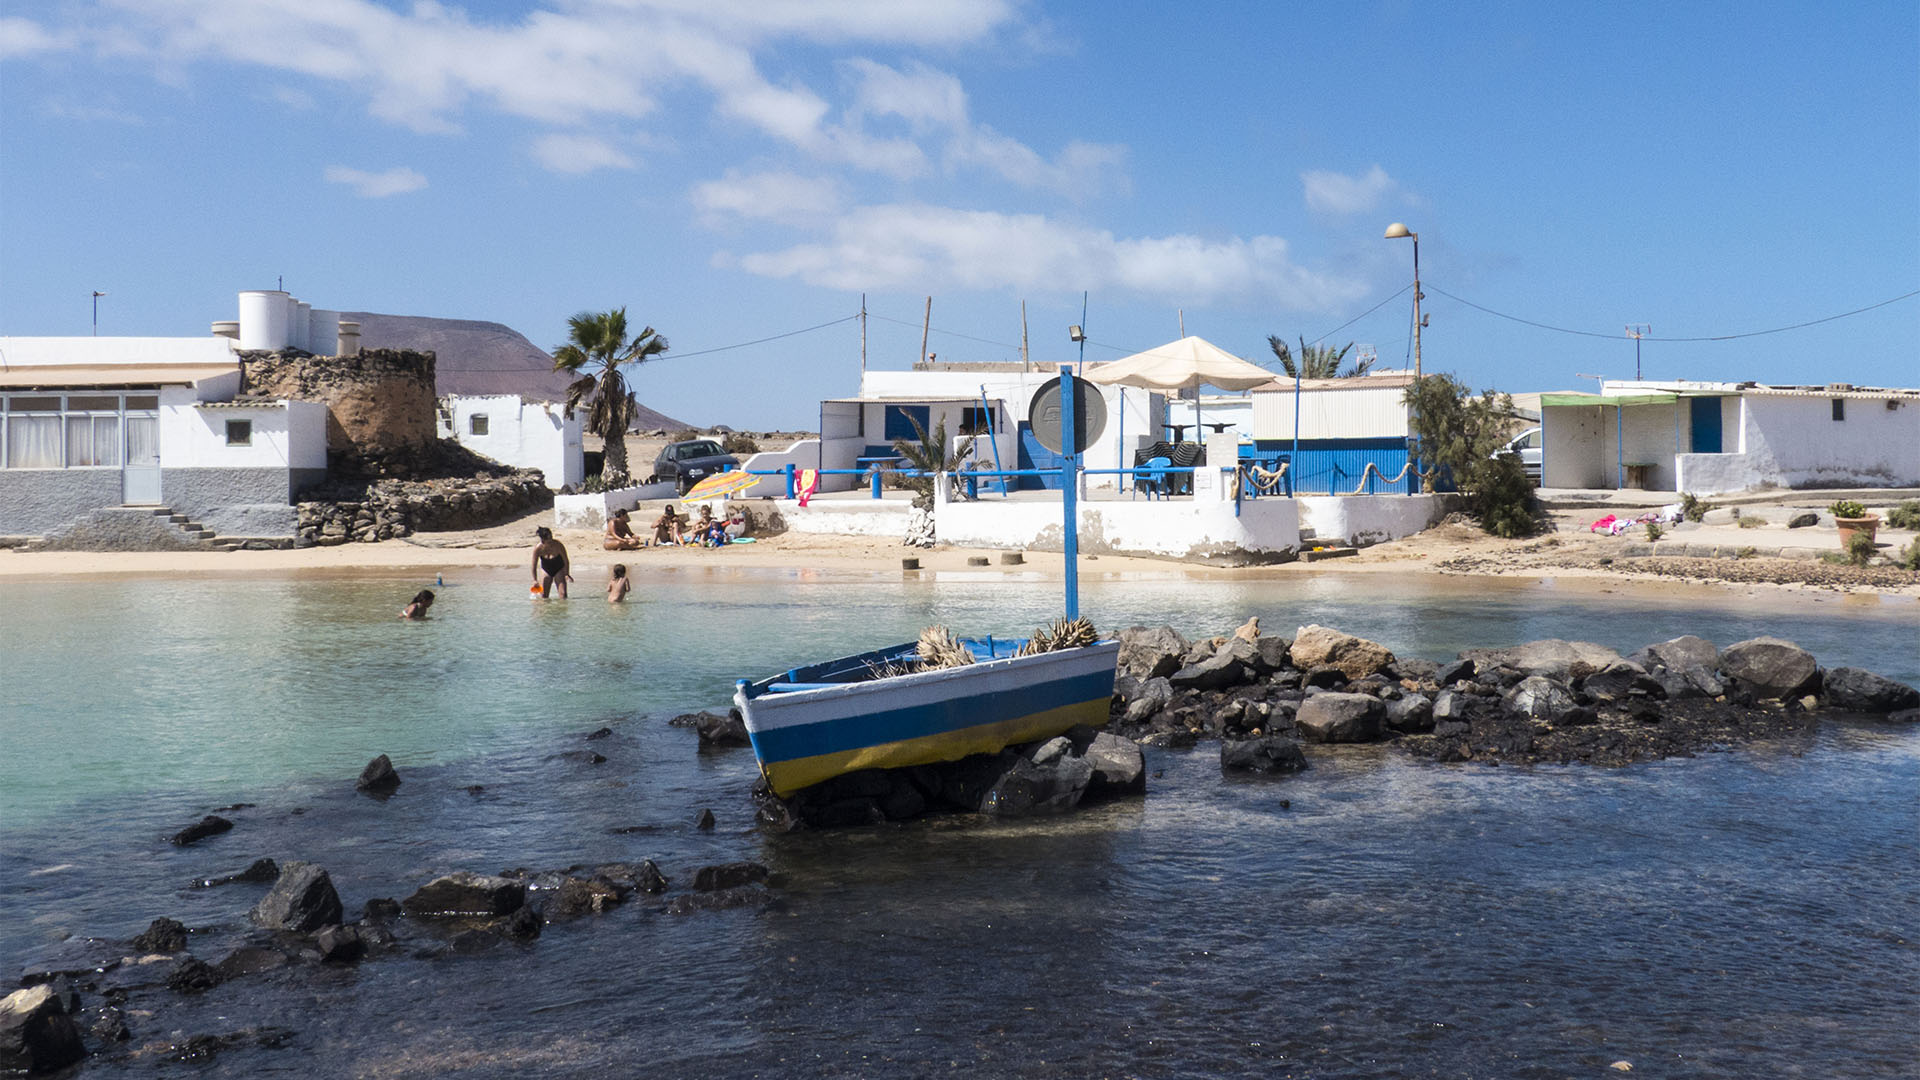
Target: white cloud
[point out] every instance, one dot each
(773, 196)
(293, 98)
(930, 247)
(107, 111)
(578, 154)
(370, 185)
(1337, 193)
(24, 37)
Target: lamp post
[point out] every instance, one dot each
(97, 294)
(1397, 231)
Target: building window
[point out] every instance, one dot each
(239, 433)
(973, 420)
(1839, 408)
(477, 424)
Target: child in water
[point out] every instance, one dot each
(416, 609)
(618, 586)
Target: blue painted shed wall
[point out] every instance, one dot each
(1334, 466)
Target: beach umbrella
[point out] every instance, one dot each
(719, 484)
(1190, 363)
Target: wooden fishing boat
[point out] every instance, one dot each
(858, 712)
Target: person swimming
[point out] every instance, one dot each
(551, 567)
(416, 608)
(618, 585)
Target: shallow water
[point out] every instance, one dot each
(1738, 914)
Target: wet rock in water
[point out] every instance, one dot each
(109, 1026)
(705, 821)
(1151, 653)
(728, 876)
(1448, 674)
(583, 757)
(1410, 713)
(1858, 690)
(37, 1032)
(1118, 766)
(1262, 754)
(1451, 706)
(252, 960)
(1769, 667)
(1340, 718)
(1152, 695)
(1320, 646)
(643, 876)
(1567, 661)
(192, 976)
(1230, 665)
(719, 900)
(340, 944)
(599, 733)
(1679, 654)
(1690, 682)
(717, 730)
(380, 908)
(522, 924)
(211, 825)
(577, 897)
(466, 893)
(1540, 698)
(1618, 681)
(301, 900)
(1046, 779)
(378, 778)
(1905, 716)
(259, 870)
(162, 935)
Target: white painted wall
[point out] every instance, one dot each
(306, 434)
(864, 517)
(193, 436)
(524, 434)
(1794, 442)
(591, 511)
(804, 454)
(20, 352)
(1362, 520)
(1355, 412)
(1576, 444)
(1180, 528)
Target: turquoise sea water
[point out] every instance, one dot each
(1738, 914)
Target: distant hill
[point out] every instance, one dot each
(473, 357)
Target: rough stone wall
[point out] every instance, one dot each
(120, 529)
(378, 403)
(395, 508)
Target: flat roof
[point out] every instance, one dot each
(55, 376)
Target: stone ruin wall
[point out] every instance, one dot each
(379, 402)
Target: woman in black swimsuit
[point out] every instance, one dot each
(551, 568)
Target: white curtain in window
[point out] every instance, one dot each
(143, 440)
(106, 440)
(79, 441)
(33, 442)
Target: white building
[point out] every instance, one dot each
(513, 431)
(1709, 438)
(1344, 426)
(89, 423)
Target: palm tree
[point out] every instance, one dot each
(596, 349)
(929, 454)
(1317, 361)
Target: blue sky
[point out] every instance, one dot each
(731, 170)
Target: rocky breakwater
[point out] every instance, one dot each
(387, 509)
(1265, 697)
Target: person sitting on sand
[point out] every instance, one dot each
(551, 567)
(619, 534)
(618, 586)
(706, 531)
(666, 528)
(738, 523)
(416, 609)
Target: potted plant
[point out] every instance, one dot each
(1850, 516)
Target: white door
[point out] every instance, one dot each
(140, 478)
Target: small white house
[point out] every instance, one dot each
(514, 431)
(1710, 438)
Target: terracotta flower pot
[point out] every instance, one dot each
(1848, 526)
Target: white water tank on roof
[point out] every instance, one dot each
(323, 331)
(300, 331)
(227, 328)
(263, 319)
(349, 339)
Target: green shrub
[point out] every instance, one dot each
(736, 443)
(1463, 434)
(1860, 549)
(1692, 507)
(1847, 508)
(1746, 552)
(1905, 516)
(1753, 523)
(1654, 531)
(1910, 556)
(593, 485)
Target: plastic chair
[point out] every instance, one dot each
(1153, 475)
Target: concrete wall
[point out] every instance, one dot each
(1371, 519)
(865, 517)
(34, 502)
(591, 511)
(1346, 413)
(1265, 530)
(232, 501)
(1577, 447)
(1794, 442)
(804, 454)
(524, 434)
(133, 351)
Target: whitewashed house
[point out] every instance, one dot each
(1709, 438)
(514, 431)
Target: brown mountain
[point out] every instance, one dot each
(473, 357)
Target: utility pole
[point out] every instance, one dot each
(863, 338)
(97, 294)
(926, 323)
(1023, 336)
(1181, 313)
(1636, 331)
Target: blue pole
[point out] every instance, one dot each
(1296, 426)
(791, 485)
(1069, 490)
(1120, 455)
(987, 411)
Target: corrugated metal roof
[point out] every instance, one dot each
(1869, 393)
(1282, 384)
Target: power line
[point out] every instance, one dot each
(697, 352)
(1362, 315)
(948, 333)
(1715, 337)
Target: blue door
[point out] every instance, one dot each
(1035, 456)
(1706, 424)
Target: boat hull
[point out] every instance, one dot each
(807, 736)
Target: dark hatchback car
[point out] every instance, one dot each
(688, 463)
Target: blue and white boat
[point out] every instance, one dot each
(814, 723)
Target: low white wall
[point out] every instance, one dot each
(1265, 530)
(1717, 474)
(804, 454)
(1370, 519)
(592, 511)
(866, 517)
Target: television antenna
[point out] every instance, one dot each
(1636, 331)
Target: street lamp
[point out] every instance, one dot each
(97, 294)
(1398, 231)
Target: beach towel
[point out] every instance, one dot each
(1604, 525)
(809, 481)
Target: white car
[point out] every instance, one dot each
(1527, 444)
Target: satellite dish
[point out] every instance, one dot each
(1089, 414)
